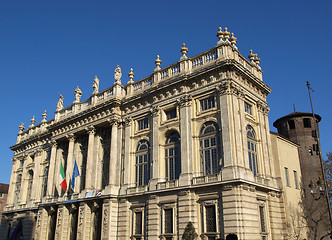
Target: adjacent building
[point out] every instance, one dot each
(188, 143)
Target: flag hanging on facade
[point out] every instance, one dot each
(76, 173)
(62, 178)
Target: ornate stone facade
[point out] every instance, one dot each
(155, 154)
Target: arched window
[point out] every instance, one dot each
(142, 163)
(210, 148)
(252, 149)
(18, 187)
(172, 156)
(29, 189)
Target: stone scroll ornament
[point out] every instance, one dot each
(59, 105)
(117, 74)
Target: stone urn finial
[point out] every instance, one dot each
(158, 63)
(233, 39)
(251, 56)
(220, 34)
(184, 51)
(21, 127)
(33, 120)
(44, 115)
(226, 34)
(131, 75)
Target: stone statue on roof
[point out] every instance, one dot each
(78, 95)
(117, 74)
(95, 85)
(59, 105)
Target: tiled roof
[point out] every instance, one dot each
(4, 188)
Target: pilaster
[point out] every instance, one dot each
(50, 180)
(36, 183)
(90, 158)
(155, 112)
(127, 165)
(70, 161)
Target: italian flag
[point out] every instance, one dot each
(62, 178)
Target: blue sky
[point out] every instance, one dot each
(49, 47)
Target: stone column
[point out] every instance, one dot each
(127, 164)
(51, 172)
(90, 158)
(155, 176)
(187, 160)
(70, 160)
(225, 102)
(114, 166)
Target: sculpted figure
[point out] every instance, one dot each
(95, 85)
(117, 74)
(59, 105)
(78, 95)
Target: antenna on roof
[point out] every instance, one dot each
(294, 107)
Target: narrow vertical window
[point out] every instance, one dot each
(142, 163)
(287, 177)
(307, 122)
(168, 219)
(29, 189)
(210, 218)
(18, 188)
(172, 156)
(138, 225)
(210, 148)
(262, 219)
(247, 108)
(296, 180)
(291, 124)
(252, 150)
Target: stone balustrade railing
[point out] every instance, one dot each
(224, 50)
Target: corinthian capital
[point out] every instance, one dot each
(71, 137)
(185, 100)
(128, 121)
(91, 129)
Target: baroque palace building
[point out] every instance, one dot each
(189, 143)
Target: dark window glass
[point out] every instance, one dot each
(210, 214)
(138, 223)
(262, 218)
(143, 124)
(252, 151)
(207, 103)
(168, 220)
(314, 134)
(247, 108)
(291, 124)
(307, 122)
(170, 114)
(142, 163)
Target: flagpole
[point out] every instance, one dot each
(327, 195)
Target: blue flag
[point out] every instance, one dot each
(76, 173)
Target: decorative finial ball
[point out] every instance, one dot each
(158, 61)
(44, 115)
(220, 33)
(33, 120)
(251, 55)
(21, 127)
(184, 49)
(131, 74)
(233, 39)
(226, 34)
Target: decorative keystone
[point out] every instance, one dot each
(44, 115)
(21, 127)
(33, 120)
(131, 75)
(226, 34)
(157, 62)
(220, 34)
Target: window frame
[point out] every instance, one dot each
(175, 147)
(287, 177)
(143, 124)
(135, 235)
(142, 155)
(252, 150)
(204, 205)
(248, 108)
(207, 103)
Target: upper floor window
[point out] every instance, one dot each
(287, 177)
(210, 148)
(172, 156)
(307, 122)
(296, 181)
(252, 150)
(170, 114)
(142, 163)
(143, 124)
(207, 103)
(30, 179)
(18, 187)
(44, 183)
(291, 124)
(247, 108)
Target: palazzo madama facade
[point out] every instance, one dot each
(189, 143)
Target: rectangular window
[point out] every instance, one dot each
(314, 133)
(143, 124)
(210, 218)
(138, 223)
(247, 108)
(306, 122)
(291, 124)
(262, 219)
(207, 103)
(170, 114)
(295, 180)
(287, 177)
(168, 220)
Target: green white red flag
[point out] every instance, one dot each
(62, 178)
